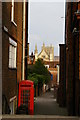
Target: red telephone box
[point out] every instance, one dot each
(26, 95)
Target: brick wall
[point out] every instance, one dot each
(51, 64)
(69, 60)
(62, 81)
(54, 72)
(72, 60)
(10, 77)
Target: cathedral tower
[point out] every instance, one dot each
(51, 53)
(36, 52)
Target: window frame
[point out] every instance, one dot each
(13, 44)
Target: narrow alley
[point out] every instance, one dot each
(40, 60)
(46, 105)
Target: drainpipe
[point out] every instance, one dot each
(23, 55)
(26, 40)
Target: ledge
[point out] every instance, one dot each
(42, 117)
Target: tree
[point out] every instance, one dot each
(40, 69)
(34, 78)
(38, 73)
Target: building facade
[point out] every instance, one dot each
(47, 53)
(62, 77)
(72, 58)
(13, 36)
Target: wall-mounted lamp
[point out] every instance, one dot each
(67, 48)
(78, 12)
(75, 30)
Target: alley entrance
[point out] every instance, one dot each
(46, 104)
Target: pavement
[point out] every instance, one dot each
(46, 105)
(46, 108)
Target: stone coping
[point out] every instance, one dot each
(40, 116)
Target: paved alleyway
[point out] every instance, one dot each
(46, 105)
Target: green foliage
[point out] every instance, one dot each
(38, 73)
(34, 78)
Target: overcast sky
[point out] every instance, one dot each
(46, 25)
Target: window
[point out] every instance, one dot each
(12, 53)
(13, 13)
(43, 56)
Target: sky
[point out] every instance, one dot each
(46, 25)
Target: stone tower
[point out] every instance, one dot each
(51, 53)
(43, 47)
(36, 53)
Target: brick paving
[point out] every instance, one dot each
(46, 105)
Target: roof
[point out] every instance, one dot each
(52, 69)
(56, 58)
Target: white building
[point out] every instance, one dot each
(47, 53)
